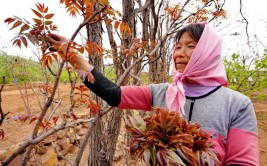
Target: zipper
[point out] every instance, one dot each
(191, 109)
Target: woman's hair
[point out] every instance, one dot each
(194, 31)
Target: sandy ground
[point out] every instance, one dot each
(16, 132)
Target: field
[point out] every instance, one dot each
(16, 131)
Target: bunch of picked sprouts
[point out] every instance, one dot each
(164, 138)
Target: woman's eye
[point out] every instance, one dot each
(178, 47)
(191, 46)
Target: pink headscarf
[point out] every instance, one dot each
(205, 67)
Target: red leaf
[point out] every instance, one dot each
(37, 21)
(48, 22)
(17, 43)
(33, 119)
(53, 27)
(108, 21)
(94, 107)
(116, 24)
(37, 13)
(77, 93)
(49, 58)
(93, 48)
(24, 41)
(47, 124)
(9, 20)
(86, 95)
(46, 10)
(44, 60)
(40, 7)
(48, 16)
(80, 49)
(84, 88)
(17, 23)
(81, 88)
(55, 120)
(23, 118)
(24, 28)
(55, 56)
(83, 101)
(125, 28)
(78, 88)
(74, 116)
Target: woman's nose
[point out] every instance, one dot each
(180, 52)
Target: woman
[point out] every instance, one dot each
(198, 91)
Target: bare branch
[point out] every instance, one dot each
(41, 137)
(146, 5)
(53, 111)
(86, 22)
(131, 74)
(88, 133)
(241, 12)
(60, 155)
(51, 71)
(127, 71)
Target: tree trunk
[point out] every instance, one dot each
(96, 144)
(102, 143)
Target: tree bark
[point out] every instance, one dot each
(102, 143)
(96, 144)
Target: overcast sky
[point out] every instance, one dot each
(254, 11)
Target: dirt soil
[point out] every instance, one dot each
(16, 131)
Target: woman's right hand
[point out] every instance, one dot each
(60, 43)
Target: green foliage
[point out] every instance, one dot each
(21, 69)
(246, 74)
(262, 97)
(109, 72)
(64, 77)
(25, 70)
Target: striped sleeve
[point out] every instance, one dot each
(135, 97)
(242, 140)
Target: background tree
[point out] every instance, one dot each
(246, 73)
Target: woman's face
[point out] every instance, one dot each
(183, 51)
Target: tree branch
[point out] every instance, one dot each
(41, 137)
(146, 5)
(246, 21)
(48, 103)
